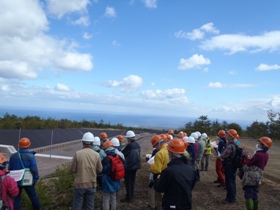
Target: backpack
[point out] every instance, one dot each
(117, 167)
(239, 159)
(3, 205)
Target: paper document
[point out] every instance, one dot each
(151, 160)
(16, 174)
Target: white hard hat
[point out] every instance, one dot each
(88, 137)
(185, 138)
(194, 135)
(115, 142)
(198, 133)
(130, 134)
(96, 141)
(204, 136)
(191, 140)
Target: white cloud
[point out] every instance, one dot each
(266, 67)
(215, 85)
(74, 62)
(86, 36)
(193, 62)
(5, 88)
(14, 69)
(197, 33)
(233, 43)
(275, 102)
(115, 43)
(232, 72)
(62, 87)
(152, 4)
(110, 12)
(83, 20)
(63, 7)
(220, 85)
(26, 49)
(127, 84)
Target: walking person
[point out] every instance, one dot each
(177, 181)
(132, 154)
(207, 152)
(86, 164)
(229, 166)
(253, 173)
(25, 159)
(8, 186)
(110, 186)
(219, 163)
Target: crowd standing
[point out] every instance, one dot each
(174, 162)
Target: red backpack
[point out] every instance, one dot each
(117, 167)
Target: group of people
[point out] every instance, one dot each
(174, 166)
(93, 165)
(174, 169)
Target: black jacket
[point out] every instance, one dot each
(132, 154)
(176, 182)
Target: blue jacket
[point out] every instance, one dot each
(222, 145)
(28, 160)
(191, 151)
(109, 185)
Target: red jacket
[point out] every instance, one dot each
(9, 189)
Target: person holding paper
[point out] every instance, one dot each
(25, 159)
(8, 185)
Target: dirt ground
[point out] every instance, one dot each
(205, 194)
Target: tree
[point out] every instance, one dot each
(273, 124)
(202, 124)
(257, 130)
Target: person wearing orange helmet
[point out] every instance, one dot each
(219, 164)
(253, 172)
(103, 138)
(8, 185)
(230, 168)
(161, 160)
(25, 159)
(176, 182)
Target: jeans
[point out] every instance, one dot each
(230, 175)
(205, 159)
(129, 183)
(83, 196)
(31, 192)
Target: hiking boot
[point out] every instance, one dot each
(124, 200)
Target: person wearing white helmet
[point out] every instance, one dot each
(195, 136)
(191, 149)
(132, 154)
(85, 180)
(207, 152)
(102, 154)
(116, 144)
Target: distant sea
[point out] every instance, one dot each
(146, 121)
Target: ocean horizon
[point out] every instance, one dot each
(128, 120)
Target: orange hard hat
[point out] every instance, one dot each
(103, 135)
(107, 144)
(186, 143)
(237, 137)
(164, 137)
(180, 134)
(2, 159)
(266, 141)
(233, 133)
(168, 136)
(155, 139)
(177, 146)
(24, 143)
(120, 137)
(222, 133)
(171, 132)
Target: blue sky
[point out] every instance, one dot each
(142, 57)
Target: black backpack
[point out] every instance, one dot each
(239, 159)
(3, 204)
